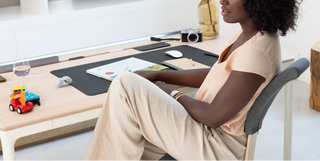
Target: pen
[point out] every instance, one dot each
(211, 54)
(191, 62)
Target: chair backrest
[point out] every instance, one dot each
(261, 105)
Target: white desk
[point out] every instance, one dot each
(60, 106)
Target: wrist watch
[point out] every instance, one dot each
(174, 92)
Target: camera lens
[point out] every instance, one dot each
(193, 37)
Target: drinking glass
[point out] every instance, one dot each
(21, 65)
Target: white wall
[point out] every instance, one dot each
(307, 33)
(23, 30)
(301, 40)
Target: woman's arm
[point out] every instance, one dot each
(232, 97)
(190, 78)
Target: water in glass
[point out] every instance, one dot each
(21, 71)
(21, 66)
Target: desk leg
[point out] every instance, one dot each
(8, 138)
(287, 148)
(7, 146)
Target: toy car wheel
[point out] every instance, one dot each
(38, 102)
(19, 110)
(11, 108)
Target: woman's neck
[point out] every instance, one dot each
(249, 29)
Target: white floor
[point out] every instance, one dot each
(306, 135)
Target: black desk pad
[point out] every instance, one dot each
(92, 85)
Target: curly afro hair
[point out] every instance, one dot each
(273, 15)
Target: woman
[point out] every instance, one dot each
(146, 118)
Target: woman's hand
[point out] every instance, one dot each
(150, 75)
(165, 87)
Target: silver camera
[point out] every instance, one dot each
(192, 35)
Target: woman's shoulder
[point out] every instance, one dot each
(266, 40)
(267, 43)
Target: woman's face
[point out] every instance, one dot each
(233, 11)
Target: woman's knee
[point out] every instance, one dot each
(124, 81)
(125, 77)
(130, 80)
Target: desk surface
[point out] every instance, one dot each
(60, 102)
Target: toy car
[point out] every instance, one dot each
(25, 102)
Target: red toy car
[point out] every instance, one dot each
(22, 101)
(15, 105)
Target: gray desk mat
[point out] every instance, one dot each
(92, 85)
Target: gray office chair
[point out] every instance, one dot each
(261, 105)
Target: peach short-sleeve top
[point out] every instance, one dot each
(260, 55)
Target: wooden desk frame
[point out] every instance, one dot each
(8, 138)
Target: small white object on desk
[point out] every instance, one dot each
(60, 81)
(174, 53)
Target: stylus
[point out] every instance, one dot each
(211, 54)
(159, 39)
(75, 58)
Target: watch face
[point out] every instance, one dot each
(173, 93)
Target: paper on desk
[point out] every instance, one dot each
(110, 71)
(184, 64)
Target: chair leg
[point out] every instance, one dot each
(287, 147)
(251, 146)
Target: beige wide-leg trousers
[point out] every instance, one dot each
(140, 121)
